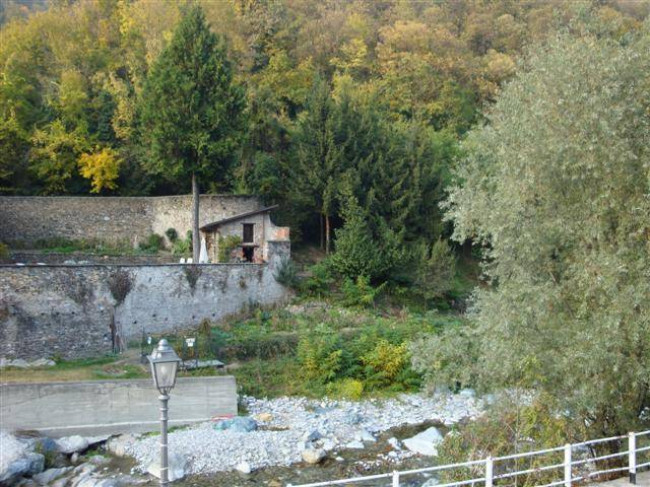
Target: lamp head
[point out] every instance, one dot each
(164, 365)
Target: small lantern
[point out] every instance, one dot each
(164, 364)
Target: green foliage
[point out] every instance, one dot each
(153, 244)
(183, 246)
(346, 389)
(320, 280)
(226, 245)
(287, 274)
(507, 429)
(385, 362)
(172, 235)
(435, 268)
(320, 354)
(191, 109)
(559, 198)
(360, 292)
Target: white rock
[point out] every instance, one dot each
(313, 456)
(20, 363)
(43, 362)
(355, 445)
(431, 483)
(118, 445)
(467, 393)
(72, 444)
(425, 443)
(12, 449)
(176, 467)
(244, 467)
(365, 436)
(394, 443)
(50, 475)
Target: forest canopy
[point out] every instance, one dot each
(358, 103)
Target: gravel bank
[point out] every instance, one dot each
(287, 424)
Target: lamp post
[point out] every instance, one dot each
(164, 364)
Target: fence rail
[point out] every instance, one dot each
(488, 478)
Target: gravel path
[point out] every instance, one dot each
(287, 423)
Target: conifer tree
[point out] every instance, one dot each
(192, 111)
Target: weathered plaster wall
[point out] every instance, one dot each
(77, 311)
(112, 406)
(110, 219)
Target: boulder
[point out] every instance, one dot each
(425, 443)
(30, 464)
(244, 467)
(72, 444)
(314, 435)
(12, 449)
(264, 417)
(239, 424)
(43, 362)
(365, 436)
(467, 393)
(313, 455)
(176, 467)
(431, 483)
(118, 444)
(50, 475)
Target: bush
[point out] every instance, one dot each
(226, 245)
(320, 281)
(360, 292)
(320, 354)
(154, 243)
(183, 246)
(346, 389)
(287, 274)
(435, 268)
(172, 234)
(385, 362)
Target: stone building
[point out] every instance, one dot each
(247, 236)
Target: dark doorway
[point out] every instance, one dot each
(248, 253)
(248, 233)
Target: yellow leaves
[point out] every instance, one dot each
(387, 358)
(102, 168)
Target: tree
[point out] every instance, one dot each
(556, 187)
(192, 110)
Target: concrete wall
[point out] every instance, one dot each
(106, 407)
(82, 311)
(109, 219)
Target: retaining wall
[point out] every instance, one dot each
(108, 407)
(26, 219)
(75, 311)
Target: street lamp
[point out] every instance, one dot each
(164, 364)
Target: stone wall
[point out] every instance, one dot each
(109, 219)
(112, 406)
(80, 311)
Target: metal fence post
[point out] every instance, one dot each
(489, 471)
(632, 456)
(567, 465)
(395, 478)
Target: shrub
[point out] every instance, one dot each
(183, 246)
(320, 354)
(385, 361)
(226, 245)
(435, 268)
(172, 234)
(320, 281)
(287, 274)
(154, 243)
(360, 292)
(346, 388)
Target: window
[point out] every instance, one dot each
(248, 232)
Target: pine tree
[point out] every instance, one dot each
(192, 111)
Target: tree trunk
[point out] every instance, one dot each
(327, 234)
(196, 238)
(322, 231)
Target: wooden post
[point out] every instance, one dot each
(395, 478)
(489, 471)
(632, 456)
(567, 465)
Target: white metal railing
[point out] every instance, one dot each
(487, 466)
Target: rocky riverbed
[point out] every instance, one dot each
(286, 436)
